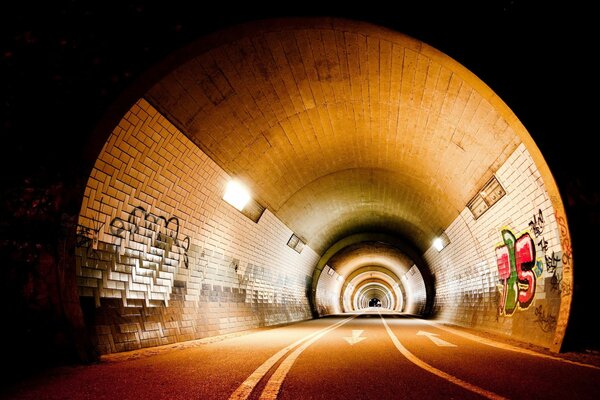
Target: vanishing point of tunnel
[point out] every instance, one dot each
(332, 172)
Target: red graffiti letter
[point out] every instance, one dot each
(525, 260)
(503, 262)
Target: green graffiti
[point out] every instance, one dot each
(511, 288)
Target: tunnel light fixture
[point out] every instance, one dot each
(236, 194)
(440, 242)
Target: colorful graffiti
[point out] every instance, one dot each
(521, 260)
(516, 261)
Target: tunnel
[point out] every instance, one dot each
(374, 171)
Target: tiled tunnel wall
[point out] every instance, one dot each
(415, 285)
(327, 298)
(472, 273)
(161, 258)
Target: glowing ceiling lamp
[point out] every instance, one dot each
(441, 241)
(236, 194)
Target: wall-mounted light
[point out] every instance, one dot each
(441, 241)
(236, 194)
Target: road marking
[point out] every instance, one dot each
(273, 386)
(355, 337)
(243, 391)
(435, 339)
(422, 364)
(504, 346)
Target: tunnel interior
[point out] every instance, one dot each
(379, 172)
(375, 302)
(367, 268)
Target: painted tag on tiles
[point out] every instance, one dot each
(520, 259)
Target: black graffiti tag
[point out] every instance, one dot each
(543, 243)
(552, 262)
(546, 321)
(537, 223)
(159, 231)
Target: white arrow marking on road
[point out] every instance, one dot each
(433, 337)
(355, 337)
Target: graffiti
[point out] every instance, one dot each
(564, 240)
(565, 288)
(202, 266)
(89, 237)
(552, 262)
(567, 256)
(556, 280)
(515, 260)
(537, 223)
(546, 321)
(543, 243)
(141, 260)
(84, 236)
(156, 231)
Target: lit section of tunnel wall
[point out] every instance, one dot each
(477, 284)
(415, 287)
(161, 258)
(328, 292)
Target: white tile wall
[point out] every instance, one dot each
(467, 283)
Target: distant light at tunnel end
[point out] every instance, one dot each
(236, 194)
(438, 243)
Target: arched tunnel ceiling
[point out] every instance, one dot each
(340, 127)
(370, 254)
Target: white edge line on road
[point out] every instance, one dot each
(244, 390)
(422, 364)
(504, 346)
(273, 386)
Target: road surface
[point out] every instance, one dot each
(371, 355)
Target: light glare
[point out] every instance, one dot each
(438, 243)
(236, 195)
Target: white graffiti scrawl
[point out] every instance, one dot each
(142, 260)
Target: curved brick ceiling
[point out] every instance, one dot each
(340, 127)
(372, 254)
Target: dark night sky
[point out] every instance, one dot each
(63, 63)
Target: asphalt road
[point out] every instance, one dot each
(365, 356)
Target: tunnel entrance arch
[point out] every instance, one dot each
(265, 103)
